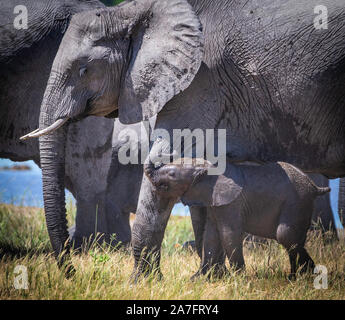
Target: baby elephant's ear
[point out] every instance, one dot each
(215, 190)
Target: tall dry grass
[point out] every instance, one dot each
(103, 273)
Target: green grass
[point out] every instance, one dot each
(103, 273)
(111, 2)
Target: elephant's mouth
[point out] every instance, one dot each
(98, 108)
(87, 111)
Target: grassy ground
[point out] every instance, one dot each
(104, 274)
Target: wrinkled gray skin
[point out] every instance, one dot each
(124, 180)
(257, 68)
(323, 214)
(26, 57)
(322, 217)
(273, 201)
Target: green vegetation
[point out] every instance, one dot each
(103, 273)
(111, 2)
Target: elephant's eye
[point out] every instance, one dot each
(82, 71)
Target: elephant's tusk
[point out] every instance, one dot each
(37, 133)
(27, 136)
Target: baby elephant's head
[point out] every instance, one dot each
(188, 179)
(175, 178)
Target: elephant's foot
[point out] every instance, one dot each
(300, 262)
(138, 275)
(308, 267)
(217, 271)
(76, 241)
(65, 264)
(82, 243)
(189, 245)
(116, 244)
(69, 270)
(196, 275)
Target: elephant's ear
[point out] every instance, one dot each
(166, 53)
(215, 190)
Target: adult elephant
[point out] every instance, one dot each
(129, 149)
(26, 57)
(261, 70)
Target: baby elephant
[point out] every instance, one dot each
(273, 200)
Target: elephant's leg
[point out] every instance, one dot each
(198, 216)
(213, 256)
(323, 214)
(122, 194)
(124, 179)
(90, 223)
(291, 234)
(299, 258)
(88, 158)
(229, 225)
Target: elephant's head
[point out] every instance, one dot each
(188, 179)
(132, 58)
(175, 179)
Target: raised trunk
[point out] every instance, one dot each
(341, 201)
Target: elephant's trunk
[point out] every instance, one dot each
(148, 229)
(341, 201)
(52, 154)
(150, 170)
(146, 253)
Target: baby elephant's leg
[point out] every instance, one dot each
(198, 215)
(213, 256)
(229, 225)
(291, 233)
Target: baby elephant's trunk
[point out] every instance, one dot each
(321, 191)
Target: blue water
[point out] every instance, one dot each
(25, 188)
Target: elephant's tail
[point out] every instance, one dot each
(322, 190)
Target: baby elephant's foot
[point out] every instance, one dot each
(218, 272)
(308, 267)
(292, 276)
(196, 275)
(237, 267)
